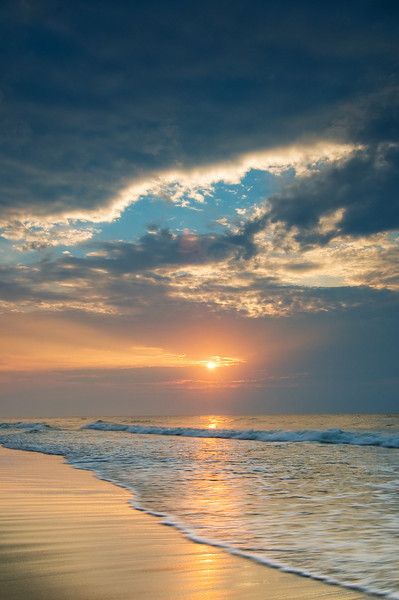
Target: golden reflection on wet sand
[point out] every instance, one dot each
(65, 534)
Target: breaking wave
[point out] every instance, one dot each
(326, 436)
(25, 426)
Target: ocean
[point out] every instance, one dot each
(313, 495)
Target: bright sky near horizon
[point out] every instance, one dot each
(198, 207)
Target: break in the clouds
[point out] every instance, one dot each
(98, 96)
(186, 180)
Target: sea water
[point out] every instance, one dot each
(313, 495)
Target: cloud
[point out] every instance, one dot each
(362, 188)
(181, 97)
(27, 236)
(257, 297)
(116, 102)
(178, 86)
(198, 182)
(173, 185)
(249, 270)
(156, 249)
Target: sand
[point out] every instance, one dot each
(65, 535)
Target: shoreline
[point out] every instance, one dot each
(65, 533)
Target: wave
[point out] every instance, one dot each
(274, 564)
(326, 436)
(189, 533)
(82, 462)
(25, 426)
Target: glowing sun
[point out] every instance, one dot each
(211, 364)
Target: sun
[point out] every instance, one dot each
(211, 364)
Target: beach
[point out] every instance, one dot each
(66, 534)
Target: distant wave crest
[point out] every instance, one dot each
(25, 426)
(326, 436)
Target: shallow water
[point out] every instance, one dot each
(317, 495)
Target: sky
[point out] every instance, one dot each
(198, 207)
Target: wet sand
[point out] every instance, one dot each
(65, 535)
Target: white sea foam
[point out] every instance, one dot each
(192, 536)
(169, 521)
(327, 436)
(324, 510)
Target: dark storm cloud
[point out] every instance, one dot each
(158, 248)
(365, 187)
(94, 94)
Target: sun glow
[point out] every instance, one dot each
(216, 362)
